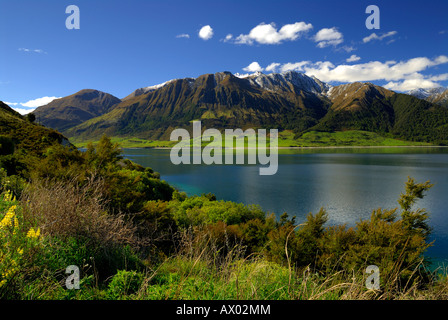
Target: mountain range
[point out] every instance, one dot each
(287, 101)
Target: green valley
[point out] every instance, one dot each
(286, 139)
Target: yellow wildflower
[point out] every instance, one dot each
(8, 218)
(16, 225)
(33, 234)
(8, 196)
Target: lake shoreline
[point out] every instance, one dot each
(323, 147)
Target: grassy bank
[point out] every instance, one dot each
(286, 139)
(342, 138)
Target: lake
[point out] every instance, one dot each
(348, 182)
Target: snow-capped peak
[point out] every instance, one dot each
(419, 93)
(425, 93)
(247, 75)
(286, 81)
(157, 86)
(437, 95)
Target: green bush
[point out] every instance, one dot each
(199, 210)
(124, 283)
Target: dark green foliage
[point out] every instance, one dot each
(6, 146)
(197, 210)
(297, 244)
(377, 117)
(14, 164)
(308, 235)
(26, 136)
(124, 283)
(255, 234)
(104, 154)
(13, 183)
(31, 117)
(399, 116)
(127, 185)
(415, 221)
(419, 120)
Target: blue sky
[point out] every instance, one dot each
(125, 45)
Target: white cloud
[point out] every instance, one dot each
(273, 67)
(39, 102)
(297, 66)
(206, 32)
(348, 49)
(268, 33)
(183, 35)
(401, 76)
(417, 81)
(11, 103)
(23, 111)
(228, 37)
(253, 67)
(32, 50)
(411, 84)
(328, 37)
(353, 58)
(374, 36)
(390, 41)
(31, 105)
(440, 77)
(373, 70)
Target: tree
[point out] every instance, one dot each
(31, 117)
(105, 153)
(414, 221)
(6, 145)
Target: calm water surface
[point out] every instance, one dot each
(348, 183)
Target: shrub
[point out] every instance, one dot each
(197, 210)
(396, 246)
(124, 283)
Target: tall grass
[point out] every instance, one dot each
(199, 271)
(70, 209)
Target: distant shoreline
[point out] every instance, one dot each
(287, 141)
(324, 147)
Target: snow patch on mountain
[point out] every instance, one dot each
(286, 81)
(436, 95)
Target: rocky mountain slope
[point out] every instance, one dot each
(65, 113)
